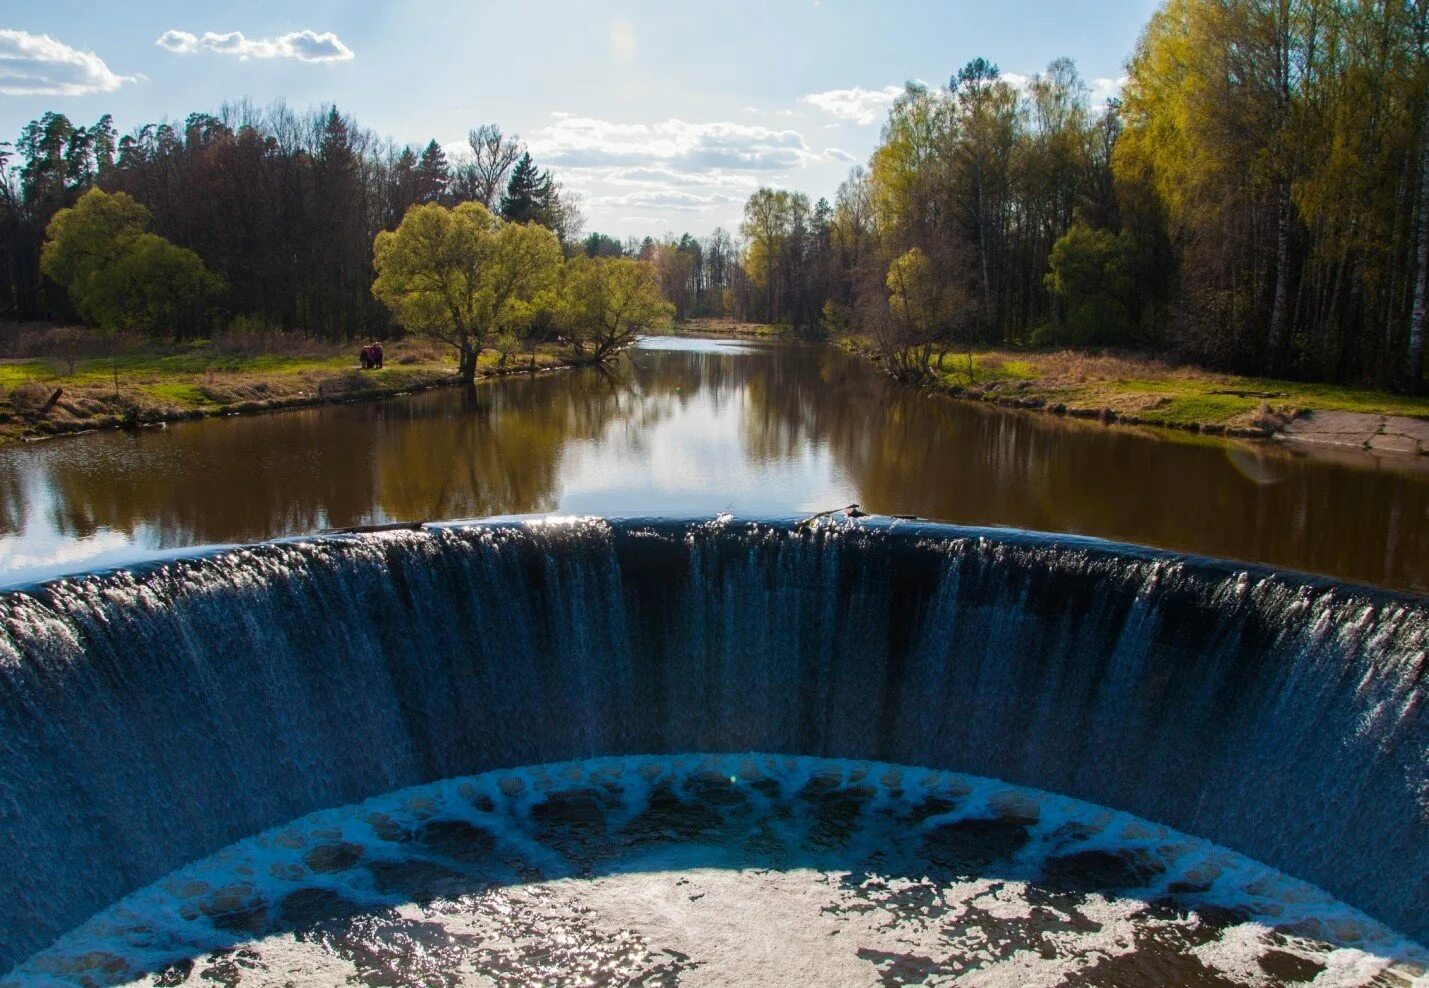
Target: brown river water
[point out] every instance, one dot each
(684, 427)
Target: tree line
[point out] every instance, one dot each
(1255, 199)
(460, 275)
(281, 207)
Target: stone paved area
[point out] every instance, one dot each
(1357, 430)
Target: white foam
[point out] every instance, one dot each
(822, 916)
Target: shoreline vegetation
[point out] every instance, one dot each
(1139, 389)
(152, 383)
(47, 392)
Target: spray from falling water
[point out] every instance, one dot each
(149, 718)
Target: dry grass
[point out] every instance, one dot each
(141, 382)
(1139, 388)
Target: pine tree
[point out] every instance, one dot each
(433, 175)
(529, 195)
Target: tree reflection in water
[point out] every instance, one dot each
(755, 429)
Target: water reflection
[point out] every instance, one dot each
(697, 427)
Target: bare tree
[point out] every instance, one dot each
(493, 153)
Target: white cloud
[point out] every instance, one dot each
(38, 65)
(666, 199)
(1104, 89)
(674, 145)
(305, 46)
(659, 176)
(622, 41)
(1016, 80)
(860, 105)
(839, 154)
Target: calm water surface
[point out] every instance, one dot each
(686, 426)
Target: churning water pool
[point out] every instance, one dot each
(381, 699)
(729, 869)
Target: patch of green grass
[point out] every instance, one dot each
(1219, 392)
(13, 373)
(987, 368)
(1349, 399)
(182, 393)
(1203, 408)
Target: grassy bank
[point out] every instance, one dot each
(1123, 387)
(44, 396)
(1144, 390)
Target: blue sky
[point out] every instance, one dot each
(663, 115)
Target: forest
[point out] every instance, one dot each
(282, 206)
(1254, 200)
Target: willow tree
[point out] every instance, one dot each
(915, 325)
(606, 301)
(461, 275)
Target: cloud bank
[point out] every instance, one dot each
(665, 200)
(673, 145)
(38, 65)
(862, 106)
(304, 46)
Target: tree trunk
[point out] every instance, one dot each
(1280, 310)
(1414, 357)
(466, 364)
(982, 250)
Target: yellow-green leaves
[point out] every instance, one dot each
(919, 296)
(460, 275)
(606, 301)
(121, 278)
(82, 240)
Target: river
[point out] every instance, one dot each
(683, 427)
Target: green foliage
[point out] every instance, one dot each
(922, 304)
(1090, 274)
(601, 245)
(462, 275)
(121, 278)
(530, 195)
(605, 302)
(151, 287)
(836, 319)
(82, 240)
(1284, 144)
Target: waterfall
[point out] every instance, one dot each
(150, 717)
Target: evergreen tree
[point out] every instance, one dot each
(529, 195)
(433, 175)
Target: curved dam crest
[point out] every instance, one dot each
(148, 718)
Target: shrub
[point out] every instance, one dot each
(1090, 274)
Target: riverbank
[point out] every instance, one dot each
(731, 329)
(42, 397)
(1142, 390)
(1136, 389)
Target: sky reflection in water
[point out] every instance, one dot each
(698, 427)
